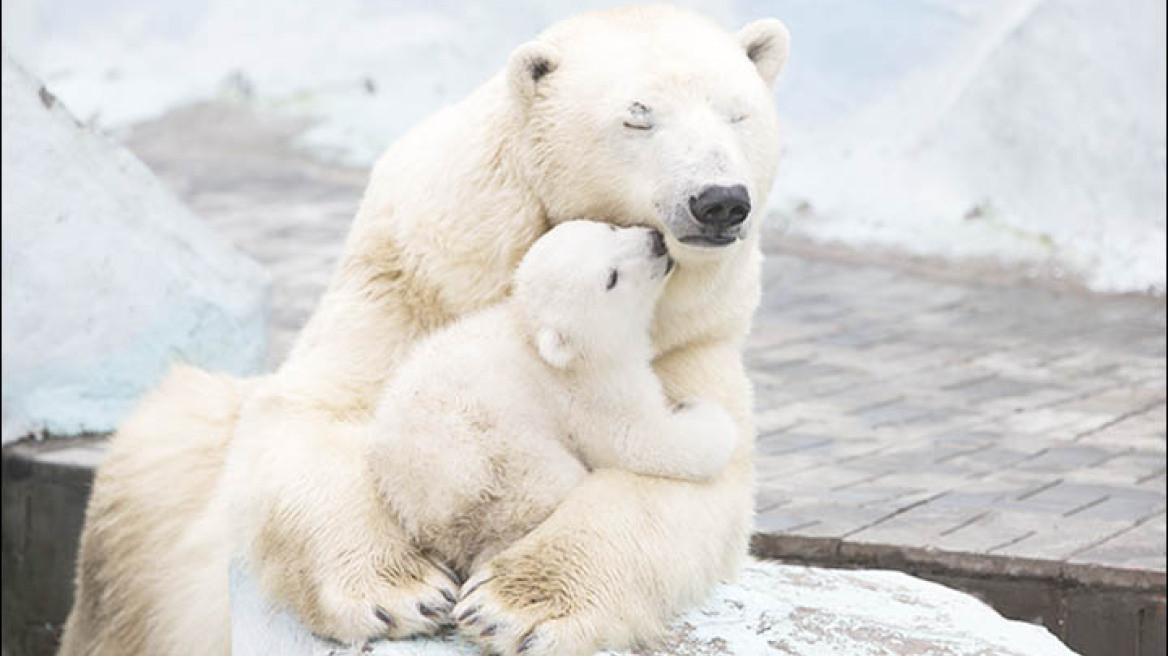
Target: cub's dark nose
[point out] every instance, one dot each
(657, 244)
(721, 207)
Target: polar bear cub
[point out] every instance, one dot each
(489, 423)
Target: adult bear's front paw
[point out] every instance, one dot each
(389, 601)
(512, 609)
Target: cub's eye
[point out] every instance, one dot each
(738, 118)
(612, 278)
(639, 117)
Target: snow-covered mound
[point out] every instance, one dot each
(1028, 131)
(1032, 131)
(771, 609)
(107, 278)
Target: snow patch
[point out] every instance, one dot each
(772, 608)
(107, 278)
(1036, 136)
(1027, 131)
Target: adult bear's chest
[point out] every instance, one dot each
(708, 305)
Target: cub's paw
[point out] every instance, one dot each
(414, 599)
(510, 616)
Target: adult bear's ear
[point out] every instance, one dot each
(529, 64)
(767, 43)
(554, 347)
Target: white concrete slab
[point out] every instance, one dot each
(772, 609)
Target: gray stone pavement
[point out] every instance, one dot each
(895, 409)
(894, 406)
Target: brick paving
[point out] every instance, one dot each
(897, 409)
(893, 408)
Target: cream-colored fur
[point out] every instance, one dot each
(490, 423)
(621, 115)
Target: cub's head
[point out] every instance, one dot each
(587, 291)
(655, 115)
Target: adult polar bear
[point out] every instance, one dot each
(650, 116)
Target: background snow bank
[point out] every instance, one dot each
(107, 279)
(1030, 131)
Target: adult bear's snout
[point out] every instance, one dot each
(721, 207)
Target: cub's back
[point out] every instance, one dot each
(466, 446)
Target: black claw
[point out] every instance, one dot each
(527, 641)
(330, 641)
(489, 631)
(428, 611)
(450, 574)
(449, 596)
(476, 586)
(384, 616)
(468, 612)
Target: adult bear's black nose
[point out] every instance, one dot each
(721, 207)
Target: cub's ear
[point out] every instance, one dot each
(554, 348)
(529, 64)
(767, 43)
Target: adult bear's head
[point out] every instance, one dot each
(652, 116)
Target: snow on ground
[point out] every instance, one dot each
(1027, 131)
(771, 609)
(107, 278)
(1034, 132)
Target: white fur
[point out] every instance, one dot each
(488, 424)
(281, 478)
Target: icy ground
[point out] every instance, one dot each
(772, 609)
(1029, 132)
